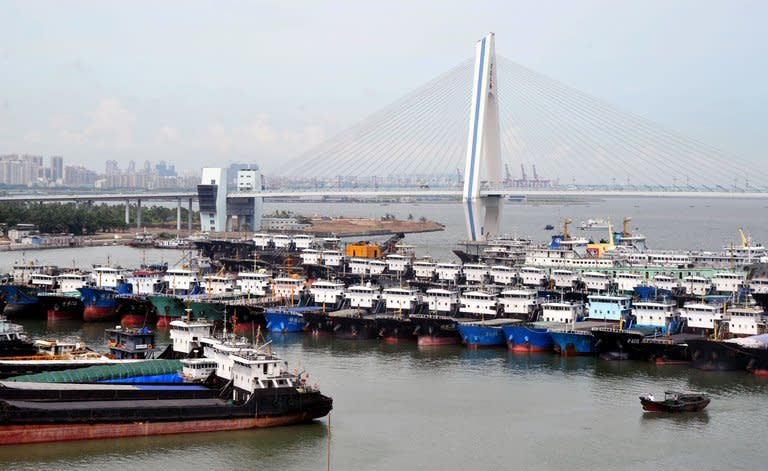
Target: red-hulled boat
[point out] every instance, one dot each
(676, 401)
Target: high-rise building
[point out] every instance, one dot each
(57, 168)
(112, 167)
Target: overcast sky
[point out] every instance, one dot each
(205, 83)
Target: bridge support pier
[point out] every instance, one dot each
(127, 212)
(189, 216)
(483, 212)
(178, 215)
(138, 214)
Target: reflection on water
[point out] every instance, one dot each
(400, 406)
(681, 421)
(220, 450)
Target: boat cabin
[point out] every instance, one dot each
(424, 269)
(564, 279)
(661, 315)
(186, 335)
(197, 370)
(401, 299)
(518, 302)
(478, 304)
(503, 275)
(697, 285)
(728, 282)
(332, 258)
(397, 263)
(532, 276)
(180, 281)
(363, 296)
(43, 282)
(69, 282)
(609, 308)
(449, 272)
(132, 344)
(563, 312)
(475, 272)
(626, 282)
(254, 283)
(744, 321)
(325, 292)
(702, 317)
(441, 301)
(596, 281)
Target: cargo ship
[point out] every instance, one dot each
(287, 319)
(484, 333)
(21, 301)
(99, 304)
(62, 306)
(529, 337)
(260, 392)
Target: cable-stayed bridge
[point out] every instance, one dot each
(459, 134)
(421, 145)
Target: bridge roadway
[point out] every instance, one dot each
(381, 193)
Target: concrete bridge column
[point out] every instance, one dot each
(138, 214)
(127, 212)
(178, 215)
(189, 216)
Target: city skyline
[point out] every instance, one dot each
(210, 87)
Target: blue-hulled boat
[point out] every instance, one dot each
(529, 337)
(572, 341)
(99, 304)
(287, 319)
(490, 333)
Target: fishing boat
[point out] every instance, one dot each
(676, 401)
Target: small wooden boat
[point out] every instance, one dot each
(676, 401)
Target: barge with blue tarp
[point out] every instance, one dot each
(258, 391)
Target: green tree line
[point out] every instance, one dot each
(84, 218)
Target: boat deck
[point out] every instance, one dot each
(119, 404)
(493, 322)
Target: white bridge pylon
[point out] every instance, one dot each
(483, 147)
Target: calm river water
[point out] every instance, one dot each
(405, 407)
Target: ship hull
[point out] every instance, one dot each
(436, 330)
(573, 343)
(713, 355)
(617, 344)
(355, 328)
(17, 348)
(100, 305)
(395, 329)
(63, 307)
(135, 311)
(318, 323)
(525, 339)
(99, 314)
(24, 310)
(25, 434)
(479, 336)
(33, 420)
(21, 302)
(283, 322)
